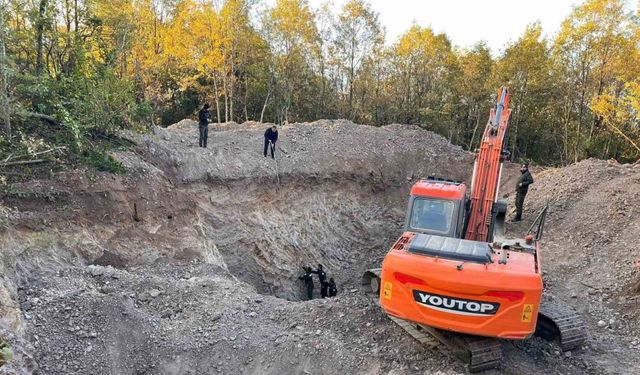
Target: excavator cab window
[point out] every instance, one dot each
(430, 215)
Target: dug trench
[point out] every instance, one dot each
(268, 232)
(189, 262)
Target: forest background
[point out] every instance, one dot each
(74, 72)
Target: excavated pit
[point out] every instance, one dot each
(268, 233)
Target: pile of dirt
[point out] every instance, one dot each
(188, 263)
(322, 149)
(590, 243)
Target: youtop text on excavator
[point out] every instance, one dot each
(454, 276)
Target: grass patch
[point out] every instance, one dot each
(102, 162)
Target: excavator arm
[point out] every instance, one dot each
(487, 171)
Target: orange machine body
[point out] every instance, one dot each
(493, 299)
(446, 272)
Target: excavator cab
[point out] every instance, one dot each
(437, 207)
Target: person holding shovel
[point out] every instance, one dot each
(270, 138)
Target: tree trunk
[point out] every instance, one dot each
(39, 35)
(475, 129)
(4, 76)
(232, 84)
(68, 67)
(351, 74)
(217, 98)
(75, 16)
(264, 106)
(226, 98)
(585, 77)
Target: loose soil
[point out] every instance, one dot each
(188, 263)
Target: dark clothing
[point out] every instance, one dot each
(203, 126)
(333, 290)
(322, 276)
(270, 136)
(308, 282)
(204, 135)
(324, 287)
(519, 203)
(521, 191)
(523, 182)
(266, 147)
(203, 117)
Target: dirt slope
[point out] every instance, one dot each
(188, 263)
(590, 255)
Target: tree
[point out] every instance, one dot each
(41, 21)
(526, 67)
(358, 35)
(589, 40)
(4, 75)
(618, 105)
(293, 36)
(473, 88)
(424, 66)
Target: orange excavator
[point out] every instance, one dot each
(454, 276)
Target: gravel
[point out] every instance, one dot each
(188, 263)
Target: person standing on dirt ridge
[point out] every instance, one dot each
(203, 125)
(333, 290)
(270, 138)
(322, 276)
(308, 281)
(521, 190)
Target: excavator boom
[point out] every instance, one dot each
(487, 170)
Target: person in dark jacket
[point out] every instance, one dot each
(322, 276)
(270, 138)
(203, 124)
(521, 190)
(333, 290)
(308, 281)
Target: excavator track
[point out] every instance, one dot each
(477, 352)
(558, 321)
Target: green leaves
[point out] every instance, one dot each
(6, 354)
(109, 65)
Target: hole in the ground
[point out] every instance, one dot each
(266, 235)
(110, 259)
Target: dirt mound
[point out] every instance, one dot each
(322, 149)
(591, 238)
(595, 217)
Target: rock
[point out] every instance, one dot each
(567, 354)
(252, 314)
(601, 323)
(154, 293)
(95, 270)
